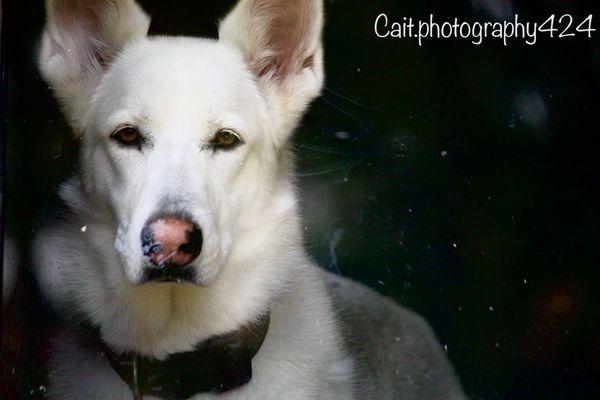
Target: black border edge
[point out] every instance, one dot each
(3, 51)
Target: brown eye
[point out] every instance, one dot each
(128, 136)
(226, 139)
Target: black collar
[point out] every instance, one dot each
(219, 364)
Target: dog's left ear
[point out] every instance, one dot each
(281, 42)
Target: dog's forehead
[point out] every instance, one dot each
(167, 76)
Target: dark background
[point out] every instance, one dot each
(460, 180)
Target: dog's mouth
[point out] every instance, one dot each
(169, 274)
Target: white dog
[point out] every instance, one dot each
(178, 262)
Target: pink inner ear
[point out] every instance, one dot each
(83, 12)
(81, 22)
(309, 62)
(289, 35)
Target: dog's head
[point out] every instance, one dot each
(183, 139)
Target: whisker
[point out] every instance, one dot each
(338, 94)
(329, 170)
(341, 109)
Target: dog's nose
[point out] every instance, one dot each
(171, 241)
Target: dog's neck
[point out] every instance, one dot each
(218, 364)
(167, 317)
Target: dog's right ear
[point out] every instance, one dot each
(79, 40)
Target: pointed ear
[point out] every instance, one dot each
(79, 40)
(281, 42)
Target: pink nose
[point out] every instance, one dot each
(171, 241)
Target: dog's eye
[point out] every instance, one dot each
(128, 136)
(226, 139)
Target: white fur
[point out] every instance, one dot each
(179, 92)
